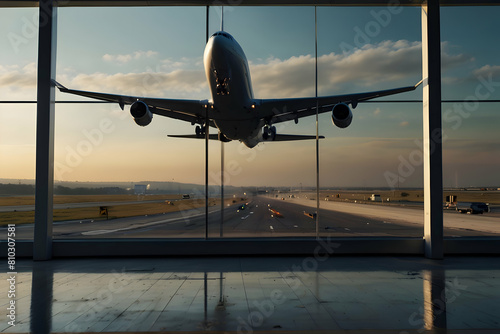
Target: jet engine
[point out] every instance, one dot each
(223, 138)
(141, 113)
(341, 115)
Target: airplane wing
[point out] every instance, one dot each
(185, 110)
(281, 110)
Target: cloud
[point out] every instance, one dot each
(15, 77)
(488, 71)
(403, 124)
(449, 60)
(368, 66)
(179, 83)
(376, 112)
(183, 63)
(123, 59)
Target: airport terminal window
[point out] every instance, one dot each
(18, 119)
(470, 123)
(101, 152)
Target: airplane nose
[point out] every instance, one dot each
(218, 52)
(218, 43)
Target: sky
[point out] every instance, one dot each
(157, 52)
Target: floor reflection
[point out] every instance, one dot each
(434, 298)
(255, 294)
(41, 297)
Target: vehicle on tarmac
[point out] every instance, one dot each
(472, 207)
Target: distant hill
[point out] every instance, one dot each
(10, 187)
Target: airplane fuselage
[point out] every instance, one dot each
(228, 76)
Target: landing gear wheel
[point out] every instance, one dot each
(269, 133)
(272, 132)
(200, 131)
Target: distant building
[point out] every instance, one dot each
(140, 189)
(376, 198)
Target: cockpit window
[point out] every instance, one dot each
(221, 33)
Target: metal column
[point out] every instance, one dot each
(42, 247)
(432, 136)
(207, 136)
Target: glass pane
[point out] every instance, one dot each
(371, 171)
(17, 168)
(471, 147)
(17, 121)
(261, 181)
(113, 177)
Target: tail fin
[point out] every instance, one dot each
(222, 18)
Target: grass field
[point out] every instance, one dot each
(30, 200)
(119, 211)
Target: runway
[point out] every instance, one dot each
(272, 217)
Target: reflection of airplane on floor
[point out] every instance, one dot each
(233, 110)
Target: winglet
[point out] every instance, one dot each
(59, 86)
(419, 83)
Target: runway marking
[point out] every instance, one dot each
(133, 227)
(97, 232)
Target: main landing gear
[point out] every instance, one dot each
(269, 132)
(200, 131)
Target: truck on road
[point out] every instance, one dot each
(472, 207)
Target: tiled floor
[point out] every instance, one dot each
(255, 294)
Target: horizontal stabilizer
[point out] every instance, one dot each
(278, 137)
(194, 136)
(295, 137)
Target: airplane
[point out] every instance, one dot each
(232, 109)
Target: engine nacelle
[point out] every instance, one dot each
(223, 138)
(141, 113)
(341, 115)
